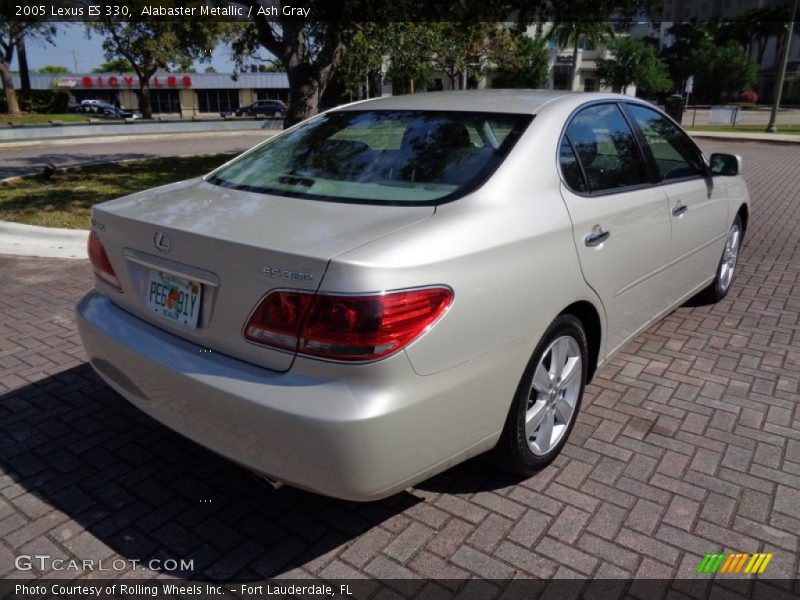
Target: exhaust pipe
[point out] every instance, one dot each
(275, 483)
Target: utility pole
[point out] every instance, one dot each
(772, 126)
(75, 61)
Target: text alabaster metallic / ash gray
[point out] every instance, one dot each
(519, 250)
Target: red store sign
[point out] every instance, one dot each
(129, 81)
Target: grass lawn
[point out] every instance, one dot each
(66, 200)
(36, 119)
(744, 128)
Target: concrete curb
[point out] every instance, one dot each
(769, 138)
(48, 242)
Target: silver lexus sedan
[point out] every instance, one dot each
(396, 285)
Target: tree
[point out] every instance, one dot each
(53, 70)
(9, 34)
(407, 48)
(116, 65)
(755, 28)
(721, 68)
(22, 61)
(308, 50)
(724, 70)
(457, 46)
(577, 20)
(154, 43)
(362, 59)
(522, 62)
(633, 62)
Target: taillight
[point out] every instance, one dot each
(102, 266)
(350, 328)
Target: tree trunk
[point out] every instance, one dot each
(22, 61)
(8, 84)
(453, 76)
(304, 94)
(376, 84)
(144, 97)
(574, 63)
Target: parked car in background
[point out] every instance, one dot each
(396, 285)
(266, 108)
(103, 111)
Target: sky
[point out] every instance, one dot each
(72, 46)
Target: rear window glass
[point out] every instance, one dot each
(392, 157)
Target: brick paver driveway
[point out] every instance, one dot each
(689, 442)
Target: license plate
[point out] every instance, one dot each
(174, 298)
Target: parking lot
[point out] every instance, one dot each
(688, 443)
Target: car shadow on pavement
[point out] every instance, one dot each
(144, 492)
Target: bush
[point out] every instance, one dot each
(43, 101)
(38, 101)
(748, 97)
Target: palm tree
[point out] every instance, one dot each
(570, 26)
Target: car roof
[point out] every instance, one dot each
(497, 101)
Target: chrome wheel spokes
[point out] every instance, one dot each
(730, 256)
(553, 396)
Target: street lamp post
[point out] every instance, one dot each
(772, 126)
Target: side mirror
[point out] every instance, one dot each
(727, 165)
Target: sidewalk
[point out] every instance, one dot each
(49, 242)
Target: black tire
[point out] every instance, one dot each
(721, 285)
(513, 452)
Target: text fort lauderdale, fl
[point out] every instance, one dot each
(222, 11)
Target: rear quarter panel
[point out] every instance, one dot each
(506, 251)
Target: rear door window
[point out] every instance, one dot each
(606, 148)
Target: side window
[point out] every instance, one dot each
(675, 154)
(606, 148)
(570, 167)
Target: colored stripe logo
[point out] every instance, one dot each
(737, 562)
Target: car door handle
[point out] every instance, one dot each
(679, 209)
(597, 237)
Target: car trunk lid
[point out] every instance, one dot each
(236, 247)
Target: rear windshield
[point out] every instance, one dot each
(385, 157)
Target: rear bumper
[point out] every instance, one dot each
(358, 432)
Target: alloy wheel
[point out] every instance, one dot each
(553, 395)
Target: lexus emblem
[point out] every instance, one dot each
(161, 241)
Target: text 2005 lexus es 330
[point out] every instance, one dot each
(397, 285)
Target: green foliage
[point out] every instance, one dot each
(10, 33)
(459, 47)
(115, 65)
(633, 62)
(408, 49)
(724, 71)
(721, 66)
(522, 62)
(43, 101)
(54, 70)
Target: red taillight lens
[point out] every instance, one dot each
(351, 328)
(278, 319)
(102, 266)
